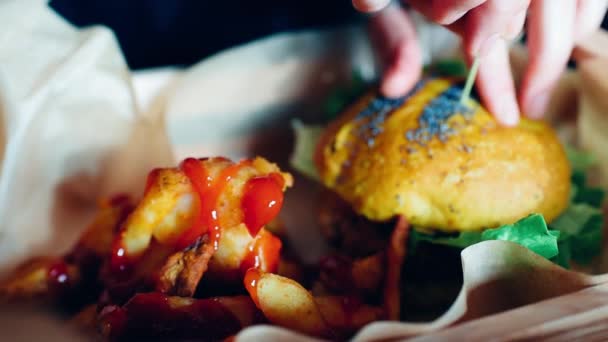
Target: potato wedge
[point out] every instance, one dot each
(286, 303)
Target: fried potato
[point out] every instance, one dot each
(97, 237)
(346, 315)
(170, 205)
(43, 277)
(183, 270)
(286, 303)
(156, 316)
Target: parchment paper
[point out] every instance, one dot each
(68, 112)
(74, 129)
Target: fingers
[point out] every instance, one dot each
(495, 85)
(491, 21)
(446, 12)
(589, 17)
(395, 36)
(515, 25)
(551, 37)
(368, 6)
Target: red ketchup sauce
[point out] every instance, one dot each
(208, 191)
(252, 278)
(263, 252)
(153, 315)
(58, 278)
(262, 201)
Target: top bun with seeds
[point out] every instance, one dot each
(443, 165)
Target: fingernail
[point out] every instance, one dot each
(535, 109)
(367, 6)
(486, 47)
(508, 114)
(394, 86)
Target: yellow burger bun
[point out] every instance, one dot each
(440, 164)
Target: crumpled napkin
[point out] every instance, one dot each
(67, 111)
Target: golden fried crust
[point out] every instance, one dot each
(32, 280)
(184, 269)
(481, 176)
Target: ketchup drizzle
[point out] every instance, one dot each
(263, 252)
(262, 201)
(208, 191)
(252, 278)
(201, 182)
(58, 277)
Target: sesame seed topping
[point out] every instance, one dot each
(377, 111)
(433, 122)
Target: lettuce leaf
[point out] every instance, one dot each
(342, 96)
(581, 228)
(450, 67)
(582, 193)
(581, 223)
(460, 240)
(306, 138)
(580, 161)
(531, 232)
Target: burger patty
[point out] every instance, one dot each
(432, 274)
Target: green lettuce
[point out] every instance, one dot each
(580, 161)
(449, 67)
(342, 96)
(531, 232)
(581, 233)
(460, 240)
(581, 223)
(306, 138)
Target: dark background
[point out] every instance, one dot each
(181, 32)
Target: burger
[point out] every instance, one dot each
(457, 177)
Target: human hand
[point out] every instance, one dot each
(554, 26)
